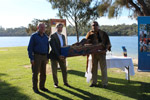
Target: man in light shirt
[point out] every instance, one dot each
(56, 42)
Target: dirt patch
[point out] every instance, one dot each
(27, 66)
(48, 68)
(139, 73)
(116, 70)
(3, 49)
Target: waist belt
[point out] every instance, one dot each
(40, 53)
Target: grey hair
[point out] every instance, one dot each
(40, 23)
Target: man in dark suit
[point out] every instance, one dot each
(98, 36)
(57, 40)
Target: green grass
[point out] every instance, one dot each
(16, 83)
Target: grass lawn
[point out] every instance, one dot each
(16, 83)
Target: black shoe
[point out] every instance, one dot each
(105, 86)
(44, 89)
(36, 91)
(66, 84)
(56, 86)
(93, 85)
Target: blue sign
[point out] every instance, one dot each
(144, 43)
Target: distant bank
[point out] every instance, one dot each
(112, 30)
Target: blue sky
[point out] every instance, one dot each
(16, 13)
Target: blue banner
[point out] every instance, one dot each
(144, 43)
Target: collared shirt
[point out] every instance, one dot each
(38, 44)
(60, 39)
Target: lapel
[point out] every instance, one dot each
(57, 39)
(64, 43)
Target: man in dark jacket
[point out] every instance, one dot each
(57, 40)
(98, 36)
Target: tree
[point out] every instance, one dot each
(113, 8)
(32, 27)
(20, 31)
(76, 11)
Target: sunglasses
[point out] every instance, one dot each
(94, 25)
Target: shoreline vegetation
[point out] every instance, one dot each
(16, 80)
(112, 30)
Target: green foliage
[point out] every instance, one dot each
(121, 2)
(32, 27)
(20, 31)
(111, 11)
(102, 9)
(115, 30)
(113, 8)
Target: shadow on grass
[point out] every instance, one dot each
(84, 95)
(145, 91)
(75, 72)
(134, 89)
(56, 94)
(9, 92)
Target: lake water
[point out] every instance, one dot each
(130, 42)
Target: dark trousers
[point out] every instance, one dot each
(39, 67)
(54, 66)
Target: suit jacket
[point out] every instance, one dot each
(56, 46)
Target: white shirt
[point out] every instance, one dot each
(60, 39)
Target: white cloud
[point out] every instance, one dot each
(14, 21)
(116, 21)
(22, 12)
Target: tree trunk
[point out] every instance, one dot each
(76, 26)
(137, 9)
(141, 10)
(144, 8)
